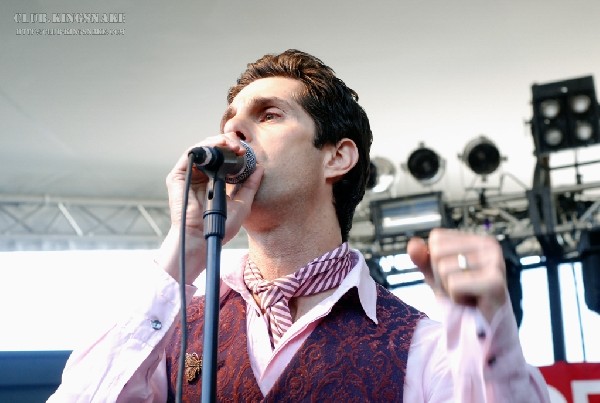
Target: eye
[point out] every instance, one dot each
(270, 115)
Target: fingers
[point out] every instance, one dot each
(243, 193)
(468, 286)
(454, 251)
(469, 268)
(240, 202)
(176, 179)
(418, 252)
(239, 206)
(227, 140)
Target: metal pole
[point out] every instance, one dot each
(556, 317)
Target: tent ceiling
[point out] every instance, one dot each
(106, 116)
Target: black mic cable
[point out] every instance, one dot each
(184, 332)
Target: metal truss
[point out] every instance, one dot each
(61, 223)
(519, 216)
(51, 223)
(524, 219)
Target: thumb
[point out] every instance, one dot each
(240, 203)
(250, 186)
(243, 194)
(419, 254)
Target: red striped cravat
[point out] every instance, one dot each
(322, 274)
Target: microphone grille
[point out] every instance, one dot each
(249, 167)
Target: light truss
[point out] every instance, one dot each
(62, 223)
(49, 223)
(512, 215)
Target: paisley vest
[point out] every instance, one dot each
(346, 358)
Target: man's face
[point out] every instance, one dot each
(281, 133)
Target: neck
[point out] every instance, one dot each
(283, 249)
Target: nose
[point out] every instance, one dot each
(238, 125)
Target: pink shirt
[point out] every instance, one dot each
(447, 362)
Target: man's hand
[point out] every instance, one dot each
(468, 268)
(239, 202)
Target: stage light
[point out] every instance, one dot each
(566, 115)
(584, 131)
(481, 156)
(550, 108)
(580, 103)
(425, 165)
(382, 175)
(553, 137)
(407, 216)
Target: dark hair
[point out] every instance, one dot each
(335, 110)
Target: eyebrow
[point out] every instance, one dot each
(256, 103)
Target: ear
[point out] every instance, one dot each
(339, 159)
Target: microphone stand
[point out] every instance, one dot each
(215, 214)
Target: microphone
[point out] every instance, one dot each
(237, 168)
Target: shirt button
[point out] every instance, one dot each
(481, 334)
(156, 325)
(491, 360)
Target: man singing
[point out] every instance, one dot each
(301, 319)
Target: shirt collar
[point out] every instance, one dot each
(358, 277)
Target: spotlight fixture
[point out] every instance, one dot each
(566, 115)
(407, 216)
(425, 165)
(481, 156)
(382, 175)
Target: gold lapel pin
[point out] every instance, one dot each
(193, 366)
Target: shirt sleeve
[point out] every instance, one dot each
(465, 359)
(126, 363)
